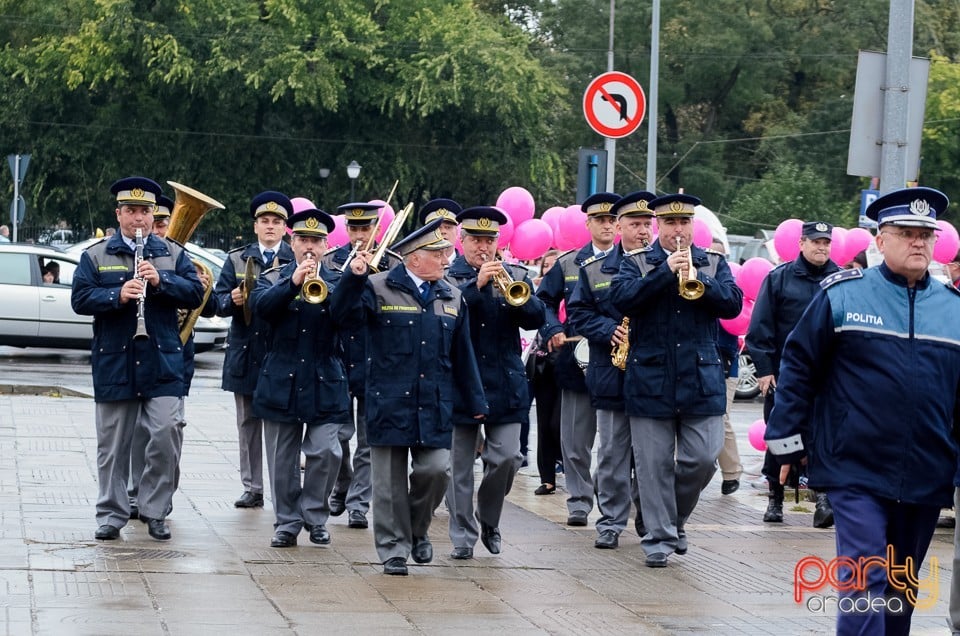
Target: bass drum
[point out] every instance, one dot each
(581, 353)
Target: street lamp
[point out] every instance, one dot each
(324, 173)
(353, 171)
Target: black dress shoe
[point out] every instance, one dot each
(395, 566)
(545, 489)
(249, 500)
(356, 519)
(490, 537)
(156, 528)
(577, 518)
(608, 540)
(461, 554)
(337, 505)
(656, 560)
(283, 539)
(134, 511)
(319, 535)
(107, 533)
(681, 548)
(729, 486)
(422, 550)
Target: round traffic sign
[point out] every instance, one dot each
(614, 104)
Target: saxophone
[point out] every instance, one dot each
(620, 352)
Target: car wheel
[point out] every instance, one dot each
(747, 385)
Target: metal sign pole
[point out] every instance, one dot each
(16, 196)
(610, 145)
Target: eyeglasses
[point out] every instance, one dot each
(911, 236)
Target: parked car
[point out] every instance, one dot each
(36, 313)
(56, 238)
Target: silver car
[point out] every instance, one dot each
(37, 312)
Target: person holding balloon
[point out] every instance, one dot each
(868, 396)
(783, 296)
(592, 315)
(352, 490)
(674, 387)
(578, 419)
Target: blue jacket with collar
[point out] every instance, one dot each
(877, 366)
(424, 359)
(125, 368)
(246, 344)
(495, 332)
(674, 368)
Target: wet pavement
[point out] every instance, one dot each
(218, 574)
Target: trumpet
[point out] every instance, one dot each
(689, 288)
(314, 289)
(353, 252)
(620, 352)
(141, 299)
(516, 292)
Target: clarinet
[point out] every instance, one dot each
(137, 259)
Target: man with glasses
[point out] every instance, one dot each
(867, 396)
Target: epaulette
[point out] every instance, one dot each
(166, 238)
(272, 269)
(567, 253)
(238, 249)
(839, 277)
(713, 251)
(594, 259)
(638, 251)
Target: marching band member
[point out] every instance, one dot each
(446, 210)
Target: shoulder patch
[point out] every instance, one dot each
(839, 277)
(639, 250)
(592, 259)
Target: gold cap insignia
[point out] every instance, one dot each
(271, 206)
(356, 212)
(605, 206)
(438, 234)
(311, 223)
(642, 205)
(483, 222)
(137, 193)
(676, 206)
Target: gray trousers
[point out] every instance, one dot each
(501, 460)
(675, 460)
(729, 459)
(955, 582)
(353, 482)
(297, 504)
(138, 449)
(408, 485)
(116, 422)
(616, 486)
(250, 435)
(578, 430)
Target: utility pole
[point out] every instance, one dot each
(896, 94)
(653, 92)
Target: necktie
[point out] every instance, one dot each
(268, 257)
(424, 290)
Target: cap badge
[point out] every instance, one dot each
(311, 222)
(605, 206)
(642, 206)
(919, 207)
(483, 222)
(438, 234)
(676, 206)
(136, 192)
(445, 213)
(271, 206)
(821, 227)
(356, 212)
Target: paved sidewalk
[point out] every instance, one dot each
(218, 574)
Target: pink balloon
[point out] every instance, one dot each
(751, 276)
(838, 246)
(755, 434)
(517, 203)
(702, 237)
(552, 218)
(738, 325)
(531, 239)
(339, 235)
(386, 216)
(300, 204)
(573, 226)
(384, 206)
(506, 233)
(457, 245)
(858, 239)
(948, 242)
(734, 268)
(786, 239)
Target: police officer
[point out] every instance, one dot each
(247, 341)
(495, 324)
(674, 387)
(578, 419)
(302, 391)
(352, 490)
(418, 326)
(446, 210)
(867, 393)
(783, 297)
(137, 358)
(592, 315)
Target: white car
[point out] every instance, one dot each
(36, 313)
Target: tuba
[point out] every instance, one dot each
(689, 288)
(188, 210)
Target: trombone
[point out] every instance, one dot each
(689, 288)
(390, 235)
(314, 290)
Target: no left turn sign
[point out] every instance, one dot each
(614, 104)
